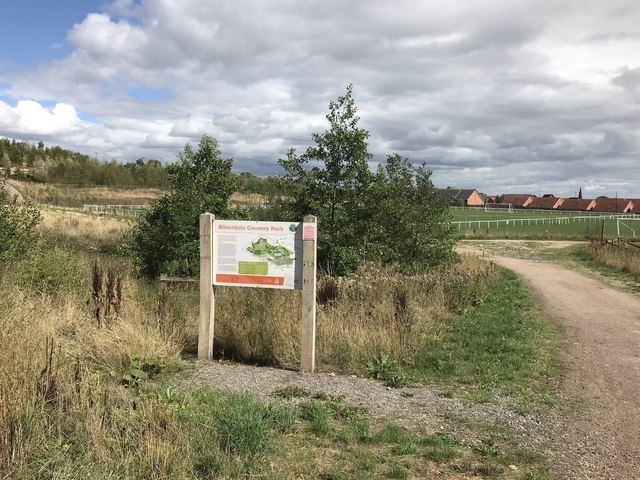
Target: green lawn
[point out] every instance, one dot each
(537, 224)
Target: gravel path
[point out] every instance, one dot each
(600, 437)
(427, 408)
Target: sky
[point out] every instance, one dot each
(516, 96)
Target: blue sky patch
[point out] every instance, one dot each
(148, 94)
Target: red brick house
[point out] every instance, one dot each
(578, 204)
(548, 202)
(518, 200)
(613, 205)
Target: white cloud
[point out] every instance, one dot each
(29, 117)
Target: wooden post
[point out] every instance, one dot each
(309, 260)
(207, 301)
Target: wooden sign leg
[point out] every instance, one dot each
(207, 300)
(309, 261)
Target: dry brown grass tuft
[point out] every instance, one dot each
(623, 258)
(93, 228)
(75, 196)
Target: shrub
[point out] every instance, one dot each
(17, 225)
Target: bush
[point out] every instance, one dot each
(17, 225)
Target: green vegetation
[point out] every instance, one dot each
(392, 217)
(166, 238)
(87, 395)
(56, 165)
(504, 346)
(617, 264)
(622, 258)
(90, 352)
(17, 224)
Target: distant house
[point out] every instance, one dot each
(547, 202)
(461, 196)
(577, 204)
(518, 200)
(613, 205)
(636, 205)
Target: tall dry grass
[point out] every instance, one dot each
(623, 257)
(378, 310)
(76, 196)
(94, 229)
(63, 411)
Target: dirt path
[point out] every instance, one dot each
(600, 437)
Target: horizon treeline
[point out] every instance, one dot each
(42, 164)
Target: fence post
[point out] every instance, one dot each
(207, 300)
(309, 260)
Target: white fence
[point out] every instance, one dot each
(521, 222)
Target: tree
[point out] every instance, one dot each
(393, 217)
(335, 186)
(410, 216)
(166, 237)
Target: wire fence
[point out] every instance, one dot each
(122, 210)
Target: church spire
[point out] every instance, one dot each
(580, 193)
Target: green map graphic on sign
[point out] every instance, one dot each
(274, 253)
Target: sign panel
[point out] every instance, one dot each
(257, 254)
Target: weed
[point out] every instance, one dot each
(47, 389)
(402, 315)
(319, 415)
(384, 368)
(440, 453)
(393, 434)
(405, 448)
(327, 291)
(141, 369)
(243, 426)
(282, 418)
(292, 391)
(107, 301)
(398, 472)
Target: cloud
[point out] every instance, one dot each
(29, 117)
(497, 95)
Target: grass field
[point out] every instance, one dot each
(472, 223)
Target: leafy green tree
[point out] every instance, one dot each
(166, 238)
(331, 180)
(395, 216)
(410, 217)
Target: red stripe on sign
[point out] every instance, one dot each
(248, 279)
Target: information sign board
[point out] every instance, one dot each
(258, 254)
